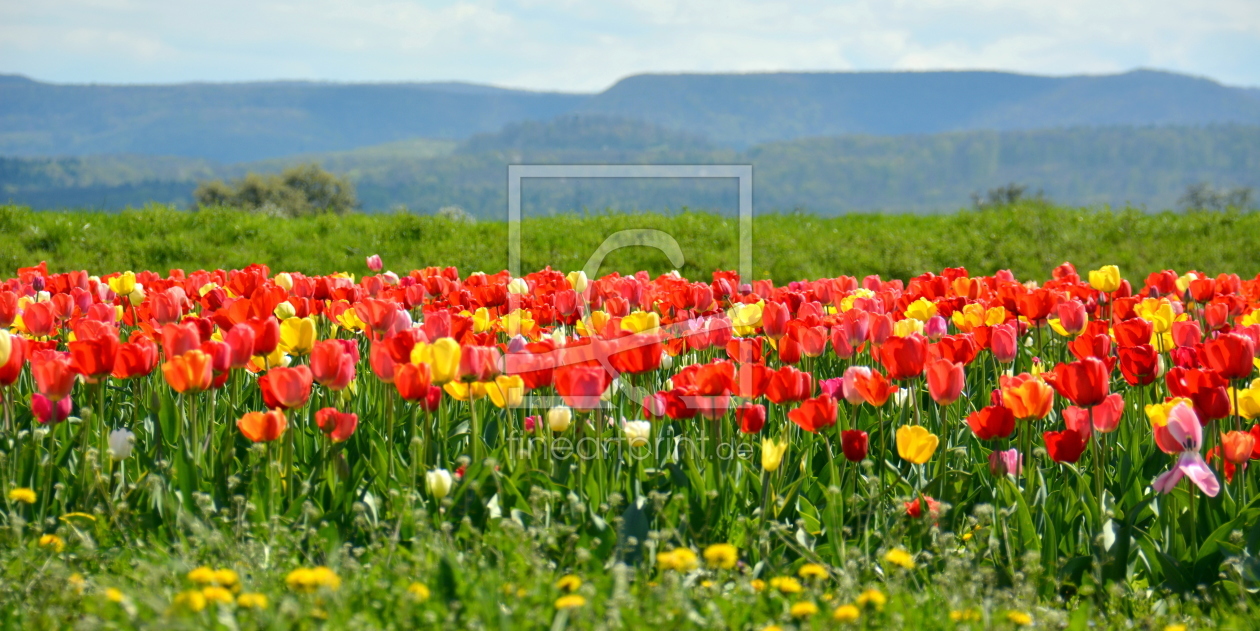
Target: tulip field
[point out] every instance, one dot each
(440, 448)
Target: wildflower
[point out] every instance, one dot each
(1175, 627)
(202, 575)
(571, 601)
(227, 578)
(568, 583)
(23, 495)
(216, 594)
(114, 595)
(306, 580)
(846, 613)
(758, 585)
(721, 555)
(192, 600)
(678, 559)
(1019, 618)
(900, 557)
(812, 570)
(803, 609)
(873, 598)
(786, 584)
(419, 591)
(964, 615)
(52, 542)
(252, 600)
(439, 483)
(77, 582)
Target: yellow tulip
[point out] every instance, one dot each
(598, 320)
(6, 347)
(123, 284)
(1248, 401)
(350, 320)
(297, 335)
(745, 318)
(907, 327)
(481, 320)
(1158, 412)
(772, 454)
(285, 280)
(916, 444)
(578, 281)
(443, 360)
(1159, 312)
(1183, 283)
(284, 311)
(519, 322)
(641, 321)
(506, 391)
(462, 391)
(921, 309)
(1105, 278)
(969, 317)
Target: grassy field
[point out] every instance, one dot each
(1029, 239)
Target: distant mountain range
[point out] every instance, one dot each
(238, 122)
(1148, 166)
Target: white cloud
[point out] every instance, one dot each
(574, 45)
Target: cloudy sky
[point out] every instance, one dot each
(586, 46)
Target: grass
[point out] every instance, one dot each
(1029, 239)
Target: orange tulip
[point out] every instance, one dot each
(1238, 446)
(190, 372)
(1026, 396)
(262, 427)
(286, 388)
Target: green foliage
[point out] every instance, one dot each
(1029, 238)
(298, 191)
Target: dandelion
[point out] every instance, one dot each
(1019, 618)
(252, 600)
(900, 557)
(786, 585)
(812, 571)
(307, 580)
(192, 600)
(571, 601)
(758, 585)
(227, 578)
(678, 559)
(114, 595)
(419, 591)
(216, 594)
(872, 597)
(568, 583)
(803, 609)
(721, 555)
(24, 495)
(846, 613)
(964, 615)
(202, 575)
(52, 542)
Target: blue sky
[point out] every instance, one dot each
(586, 46)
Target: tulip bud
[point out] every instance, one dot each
(637, 433)
(772, 454)
(121, 442)
(439, 483)
(935, 327)
(285, 310)
(667, 361)
(578, 280)
(283, 279)
(559, 418)
(518, 286)
(374, 263)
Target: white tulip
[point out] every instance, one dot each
(637, 433)
(518, 286)
(121, 442)
(559, 418)
(439, 481)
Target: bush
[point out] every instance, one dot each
(297, 192)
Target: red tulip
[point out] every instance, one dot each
(1035, 304)
(1255, 451)
(1186, 333)
(262, 427)
(39, 319)
(50, 413)
(1091, 345)
(873, 387)
(1238, 446)
(961, 349)
(789, 384)
(751, 380)
(1207, 389)
(840, 343)
(241, 341)
(914, 508)
(994, 421)
(855, 444)
(136, 358)
(11, 369)
(333, 364)
(1139, 364)
(338, 426)
(944, 381)
(751, 417)
(1064, 446)
(1085, 383)
(904, 357)
(178, 339)
(478, 363)
(266, 334)
(1133, 332)
(1230, 355)
(789, 350)
(581, 385)
(286, 388)
(774, 319)
(54, 374)
(1004, 342)
(1072, 316)
(378, 315)
(94, 357)
(412, 381)
(815, 414)
(746, 350)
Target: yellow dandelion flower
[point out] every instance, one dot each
(571, 601)
(846, 613)
(24, 495)
(873, 598)
(114, 595)
(192, 600)
(52, 542)
(721, 555)
(812, 570)
(758, 585)
(803, 609)
(227, 578)
(216, 594)
(900, 557)
(306, 580)
(678, 559)
(77, 582)
(568, 583)
(786, 584)
(1019, 618)
(773, 627)
(252, 600)
(419, 591)
(1175, 627)
(202, 575)
(964, 615)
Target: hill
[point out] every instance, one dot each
(252, 121)
(242, 122)
(745, 109)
